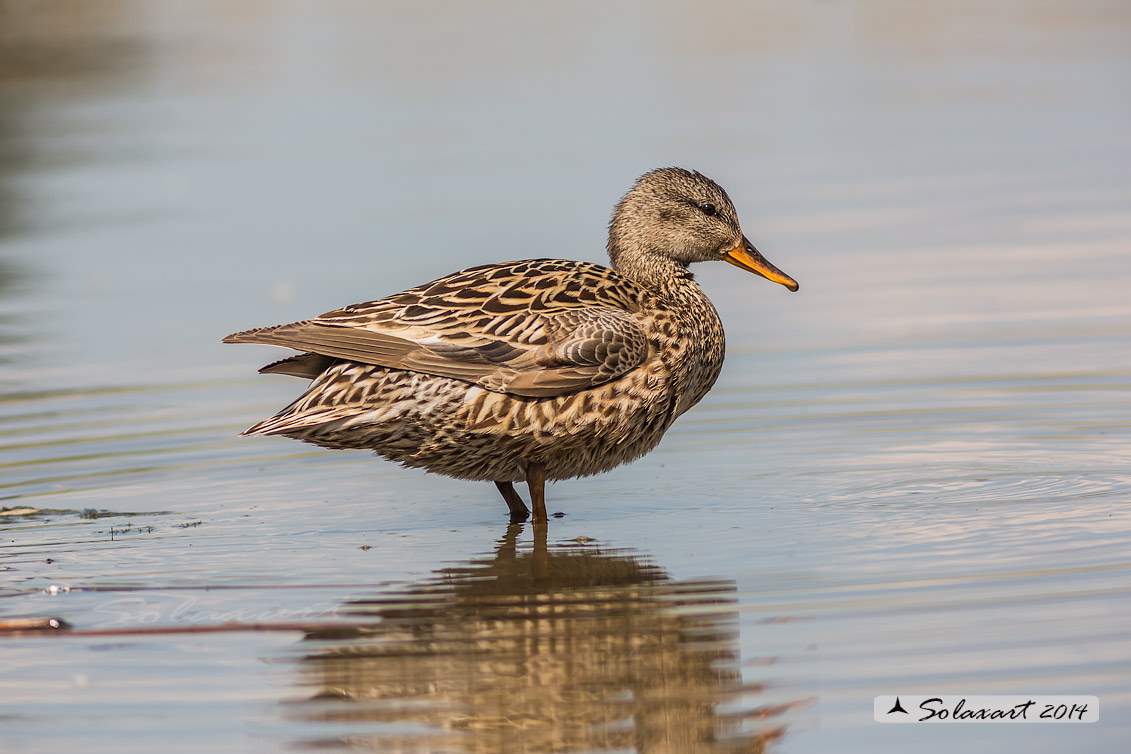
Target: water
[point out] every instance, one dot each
(912, 476)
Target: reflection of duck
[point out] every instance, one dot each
(531, 370)
(563, 648)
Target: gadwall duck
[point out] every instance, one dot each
(530, 370)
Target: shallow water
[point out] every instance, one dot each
(912, 476)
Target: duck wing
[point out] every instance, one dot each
(535, 328)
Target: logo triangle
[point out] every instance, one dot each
(898, 708)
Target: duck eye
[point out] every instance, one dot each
(708, 209)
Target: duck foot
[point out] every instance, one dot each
(519, 511)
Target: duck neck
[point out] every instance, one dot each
(658, 272)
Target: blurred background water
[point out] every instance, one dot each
(912, 477)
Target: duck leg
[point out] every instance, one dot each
(536, 481)
(519, 511)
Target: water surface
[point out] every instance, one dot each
(912, 476)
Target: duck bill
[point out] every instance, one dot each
(744, 255)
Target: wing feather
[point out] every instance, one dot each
(535, 328)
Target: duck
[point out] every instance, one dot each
(531, 370)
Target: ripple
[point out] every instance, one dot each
(999, 488)
(62, 441)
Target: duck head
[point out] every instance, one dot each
(673, 217)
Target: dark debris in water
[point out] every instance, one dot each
(130, 529)
(26, 511)
(103, 513)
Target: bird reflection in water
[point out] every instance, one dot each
(539, 649)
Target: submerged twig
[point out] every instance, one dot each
(59, 627)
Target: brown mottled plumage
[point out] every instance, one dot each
(537, 369)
